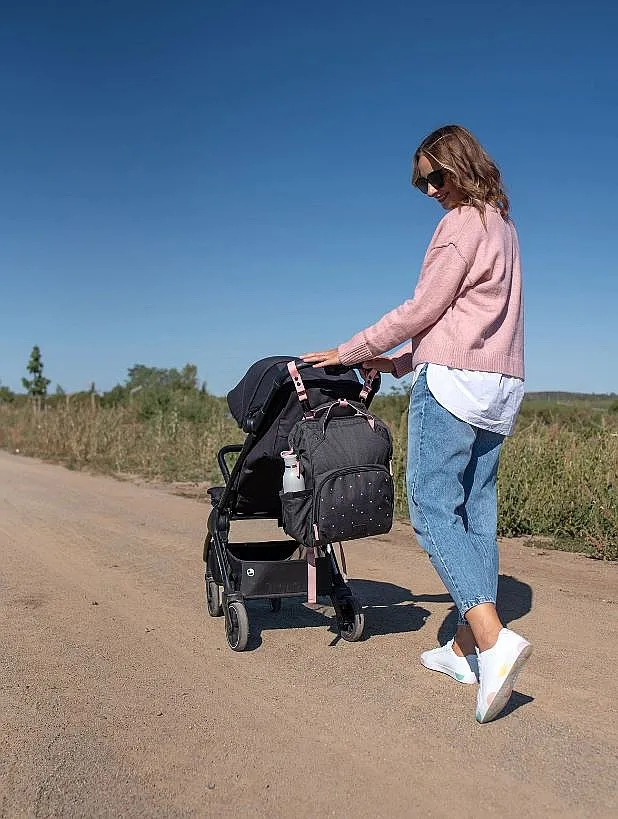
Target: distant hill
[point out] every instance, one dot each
(559, 397)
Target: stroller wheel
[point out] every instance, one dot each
(213, 598)
(275, 604)
(351, 621)
(236, 625)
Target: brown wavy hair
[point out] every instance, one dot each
(473, 172)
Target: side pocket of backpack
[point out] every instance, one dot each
(297, 514)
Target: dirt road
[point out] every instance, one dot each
(120, 697)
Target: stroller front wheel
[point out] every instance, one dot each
(236, 625)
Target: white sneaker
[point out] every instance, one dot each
(444, 659)
(498, 670)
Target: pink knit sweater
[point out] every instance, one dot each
(466, 311)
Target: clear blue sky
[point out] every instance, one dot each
(214, 182)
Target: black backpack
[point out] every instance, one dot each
(345, 457)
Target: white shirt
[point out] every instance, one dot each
(487, 400)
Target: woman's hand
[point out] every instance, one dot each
(381, 364)
(330, 358)
(325, 358)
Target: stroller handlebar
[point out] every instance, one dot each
(337, 369)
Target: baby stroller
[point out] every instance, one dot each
(266, 406)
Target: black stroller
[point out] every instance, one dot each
(266, 407)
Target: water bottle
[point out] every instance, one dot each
(293, 480)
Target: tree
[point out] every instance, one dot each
(159, 378)
(37, 386)
(155, 390)
(6, 395)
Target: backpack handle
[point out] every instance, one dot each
(343, 402)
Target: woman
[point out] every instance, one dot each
(463, 330)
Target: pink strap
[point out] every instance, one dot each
(367, 385)
(311, 576)
(297, 381)
(300, 389)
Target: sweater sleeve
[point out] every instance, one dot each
(441, 276)
(402, 361)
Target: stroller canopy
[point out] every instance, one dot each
(250, 394)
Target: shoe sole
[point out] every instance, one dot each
(503, 694)
(448, 672)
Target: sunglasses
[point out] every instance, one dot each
(435, 179)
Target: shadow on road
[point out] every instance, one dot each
(516, 701)
(388, 609)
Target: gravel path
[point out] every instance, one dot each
(120, 696)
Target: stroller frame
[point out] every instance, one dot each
(237, 572)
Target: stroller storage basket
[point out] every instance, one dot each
(274, 576)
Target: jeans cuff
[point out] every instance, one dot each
(470, 604)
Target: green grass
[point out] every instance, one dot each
(558, 475)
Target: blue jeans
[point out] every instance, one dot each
(451, 478)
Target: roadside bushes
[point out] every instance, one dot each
(558, 475)
(168, 444)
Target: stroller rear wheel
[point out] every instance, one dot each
(236, 625)
(213, 598)
(350, 619)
